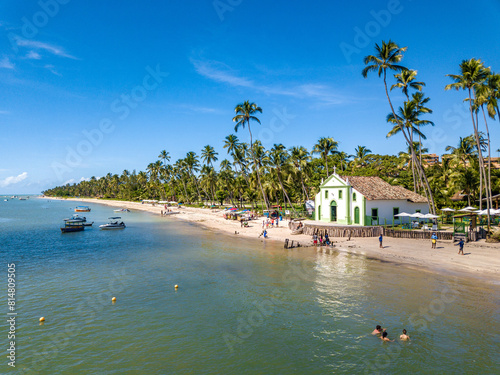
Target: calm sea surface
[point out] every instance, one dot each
(242, 307)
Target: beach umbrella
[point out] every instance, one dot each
(485, 212)
(402, 214)
(468, 209)
(430, 216)
(417, 214)
(447, 209)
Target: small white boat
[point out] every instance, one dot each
(122, 210)
(76, 217)
(114, 223)
(82, 209)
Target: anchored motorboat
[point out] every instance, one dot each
(114, 223)
(82, 209)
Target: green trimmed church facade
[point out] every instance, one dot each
(360, 200)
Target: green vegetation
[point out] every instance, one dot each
(289, 176)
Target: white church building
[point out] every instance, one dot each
(360, 200)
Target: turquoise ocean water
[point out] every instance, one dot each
(242, 307)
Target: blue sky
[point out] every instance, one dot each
(90, 87)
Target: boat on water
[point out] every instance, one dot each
(88, 224)
(5, 200)
(22, 199)
(77, 218)
(114, 223)
(72, 226)
(82, 209)
(122, 210)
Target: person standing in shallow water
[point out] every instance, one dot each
(378, 330)
(380, 241)
(404, 336)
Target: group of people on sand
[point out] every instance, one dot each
(270, 223)
(382, 333)
(322, 240)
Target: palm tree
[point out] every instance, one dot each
(299, 157)
(324, 147)
(360, 154)
(192, 164)
(406, 80)
(388, 56)
(245, 112)
(209, 155)
(463, 151)
(409, 117)
(472, 75)
(164, 155)
(278, 158)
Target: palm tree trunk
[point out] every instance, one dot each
(489, 202)
(479, 152)
(257, 168)
(278, 170)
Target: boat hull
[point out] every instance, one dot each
(103, 227)
(72, 229)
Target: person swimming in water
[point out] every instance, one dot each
(378, 330)
(404, 336)
(385, 338)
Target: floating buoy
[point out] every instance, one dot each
(42, 319)
(113, 299)
(176, 286)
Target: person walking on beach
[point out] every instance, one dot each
(404, 336)
(434, 238)
(315, 239)
(461, 246)
(380, 241)
(327, 239)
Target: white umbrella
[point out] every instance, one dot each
(402, 214)
(417, 214)
(468, 208)
(430, 216)
(485, 212)
(447, 209)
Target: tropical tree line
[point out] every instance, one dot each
(250, 173)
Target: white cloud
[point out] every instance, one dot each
(33, 55)
(58, 51)
(13, 179)
(51, 68)
(84, 179)
(220, 72)
(6, 63)
(70, 181)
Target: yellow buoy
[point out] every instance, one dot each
(113, 299)
(176, 286)
(42, 319)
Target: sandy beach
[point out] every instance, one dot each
(481, 259)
